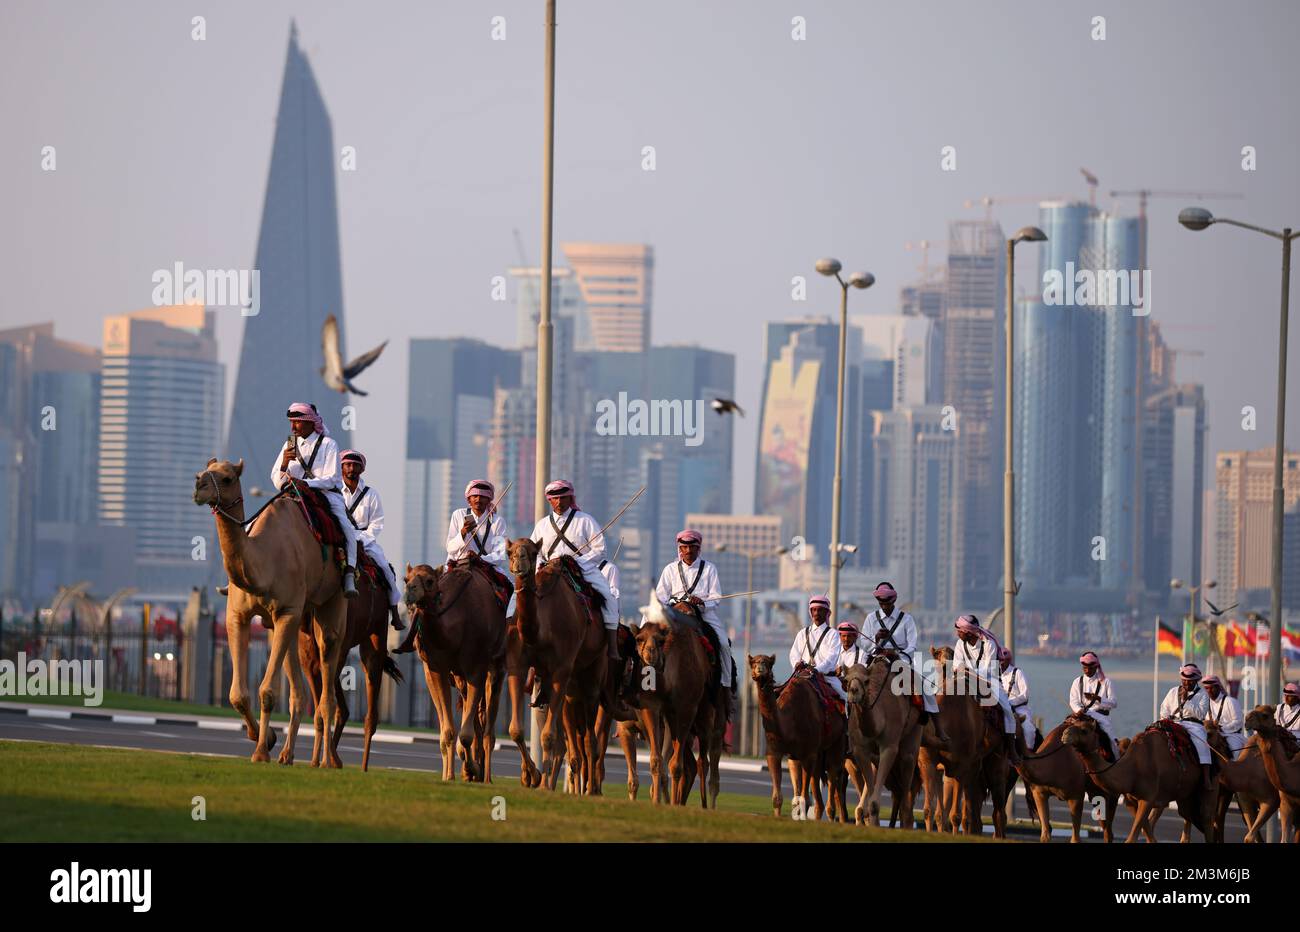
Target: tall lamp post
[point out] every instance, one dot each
(831, 267)
(1009, 587)
(1198, 218)
(745, 703)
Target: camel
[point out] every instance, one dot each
(367, 629)
(796, 726)
(1257, 798)
(674, 704)
(884, 732)
(565, 646)
(461, 638)
(278, 564)
(1055, 770)
(971, 739)
(1278, 754)
(1148, 772)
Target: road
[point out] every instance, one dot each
(220, 737)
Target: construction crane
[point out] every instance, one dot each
(1092, 186)
(1143, 194)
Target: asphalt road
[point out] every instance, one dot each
(424, 755)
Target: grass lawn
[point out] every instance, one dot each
(67, 793)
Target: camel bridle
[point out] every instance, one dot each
(216, 503)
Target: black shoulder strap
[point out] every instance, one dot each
(351, 509)
(559, 533)
(681, 573)
(306, 467)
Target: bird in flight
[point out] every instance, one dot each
(336, 375)
(725, 406)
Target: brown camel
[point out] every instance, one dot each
(460, 633)
(674, 705)
(279, 565)
(1278, 753)
(1148, 772)
(1257, 798)
(566, 648)
(884, 731)
(797, 726)
(1056, 770)
(367, 630)
(970, 740)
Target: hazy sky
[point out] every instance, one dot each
(770, 152)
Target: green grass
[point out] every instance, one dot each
(68, 793)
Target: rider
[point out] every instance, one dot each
(690, 579)
(313, 456)
(887, 631)
(1016, 687)
(1188, 705)
(1091, 694)
(479, 530)
(1287, 713)
(366, 512)
(816, 646)
(976, 653)
(1225, 712)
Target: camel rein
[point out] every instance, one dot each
(217, 509)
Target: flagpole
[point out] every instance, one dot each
(1155, 676)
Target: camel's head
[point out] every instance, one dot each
(1261, 719)
(651, 640)
(1081, 734)
(218, 484)
(523, 556)
(760, 667)
(421, 585)
(854, 680)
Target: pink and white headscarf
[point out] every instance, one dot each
(481, 487)
(353, 455)
(307, 412)
(562, 487)
(1189, 671)
(1090, 657)
(885, 592)
(970, 623)
(819, 600)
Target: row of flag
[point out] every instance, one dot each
(1234, 640)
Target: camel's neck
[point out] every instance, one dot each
(1281, 771)
(526, 607)
(239, 552)
(767, 708)
(1114, 778)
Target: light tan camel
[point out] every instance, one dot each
(1148, 772)
(884, 732)
(1057, 770)
(461, 634)
(280, 566)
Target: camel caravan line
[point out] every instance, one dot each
(538, 615)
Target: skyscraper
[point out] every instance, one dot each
(616, 283)
(690, 374)
(300, 274)
(160, 421)
(1244, 517)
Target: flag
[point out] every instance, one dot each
(1168, 641)
(1235, 641)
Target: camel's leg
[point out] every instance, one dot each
(372, 661)
(552, 740)
(595, 736)
(715, 761)
(308, 659)
(490, 708)
(797, 786)
(1076, 821)
(237, 637)
(651, 724)
(835, 778)
(286, 628)
(529, 775)
(883, 769)
(340, 722)
(295, 707)
(859, 783)
(329, 640)
(1139, 821)
(440, 693)
(627, 739)
(474, 688)
(774, 771)
(1042, 805)
(675, 768)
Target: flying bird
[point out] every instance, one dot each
(725, 406)
(336, 375)
(1218, 612)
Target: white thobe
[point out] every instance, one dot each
(1226, 713)
(1190, 713)
(904, 636)
(368, 517)
(818, 646)
(1099, 710)
(325, 476)
(982, 660)
(701, 579)
(1016, 687)
(610, 572)
(488, 539)
(1288, 716)
(583, 534)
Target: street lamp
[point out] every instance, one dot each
(831, 267)
(1198, 218)
(1009, 587)
(1191, 618)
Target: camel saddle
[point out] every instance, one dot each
(1181, 747)
(689, 614)
(830, 700)
(320, 518)
(571, 574)
(502, 587)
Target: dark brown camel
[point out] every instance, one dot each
(1281, 763)
(461, 633)
(1057, 770)
(970, 741)
(797, 727)
(884, 733)
(565, 647)
(1148, 772)
(367, 630)
(1257, 798)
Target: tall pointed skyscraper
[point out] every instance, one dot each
(301, 281)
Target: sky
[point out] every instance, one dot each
(769, 153)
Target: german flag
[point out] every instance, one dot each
(1168, 641)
